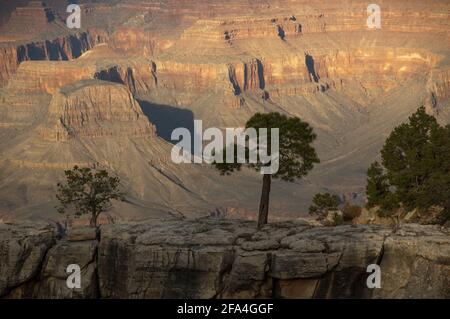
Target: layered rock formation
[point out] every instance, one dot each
(76, 110)
(62, 48)
(220, 62)
(83, 112)
(38, 32)
(210, 258)
(88, 123)
(26, 97)
(33, 18)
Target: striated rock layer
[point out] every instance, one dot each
(220, 62)
(210, 258)
(62, 48)
(76, 110)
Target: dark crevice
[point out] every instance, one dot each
(381, 254)
(232, 76)
(262, 82)
(154, 72)
(220, 284)
(98, 291)
(281, 33)
(35, 277)
(112, 75)
(309, 61)
(50, 15)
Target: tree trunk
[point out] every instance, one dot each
(93, 222)
(264, 203)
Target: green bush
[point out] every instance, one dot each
(338, 220)
(322, 203)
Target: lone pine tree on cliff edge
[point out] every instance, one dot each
(296, 154)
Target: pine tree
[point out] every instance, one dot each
(377, 189)
(409, 157)
(89, 191)
(296, 154)
(415, 170)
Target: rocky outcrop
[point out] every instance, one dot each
(93, 108)
(210, 258)
(23, 250)
(65, 48)
(34, 77)
(31, 19)
(415, 262)
(37, 32)
(439, 90)
(137, 75)
(47, 76)
(58, 49)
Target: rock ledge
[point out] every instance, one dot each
(208, 258)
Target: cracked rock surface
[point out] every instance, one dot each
(209, 258)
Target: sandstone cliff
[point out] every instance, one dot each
(210, 258)
(62, 48)
(38, 32)
(77, 110)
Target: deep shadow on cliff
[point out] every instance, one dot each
(167, 118)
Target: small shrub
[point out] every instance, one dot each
(338, 220)
(333, 218)
(323, 203)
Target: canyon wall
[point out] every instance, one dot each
(139, 42)
(299, 51)
(372, 71)
(209, 258)
(296, 44)
(439, 88)
(61, 48)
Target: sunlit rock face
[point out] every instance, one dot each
(109, 93)
(95, 109)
